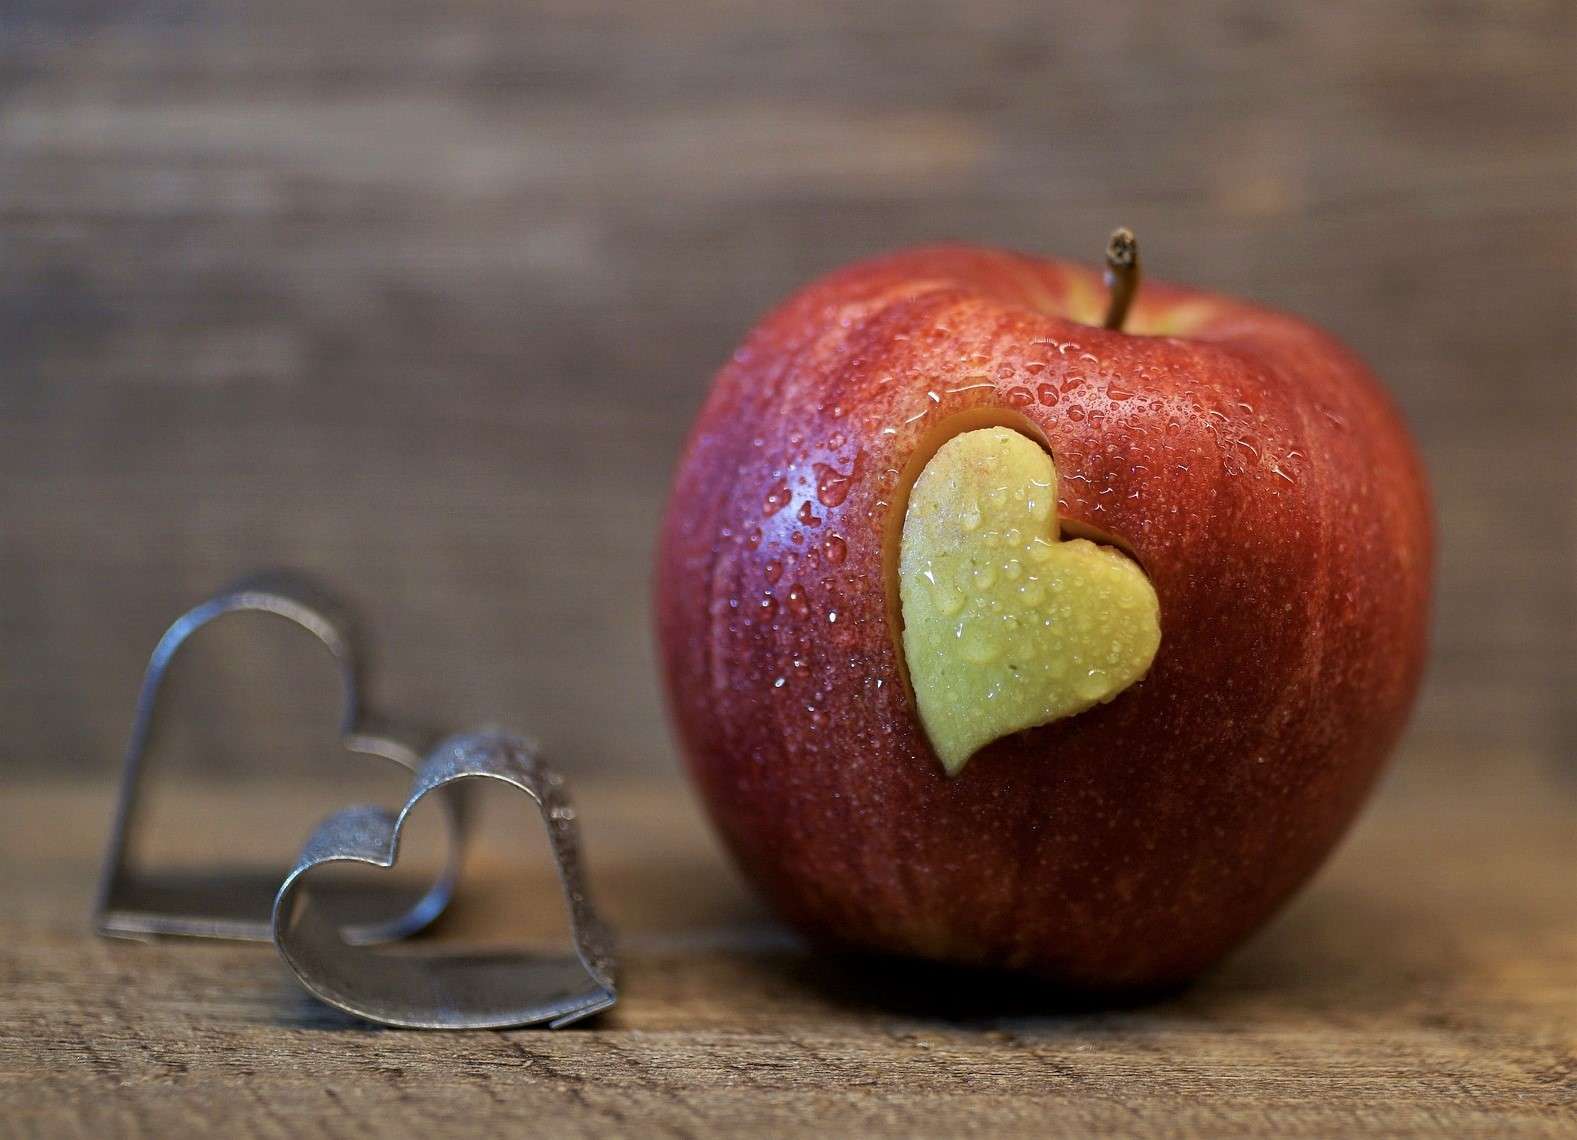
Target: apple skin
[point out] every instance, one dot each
(1255, 469)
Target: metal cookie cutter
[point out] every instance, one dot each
(423, 987)
(134, 903)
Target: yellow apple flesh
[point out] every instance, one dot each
(1005, 626)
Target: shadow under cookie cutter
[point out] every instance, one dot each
(134, 905)
(421, 986)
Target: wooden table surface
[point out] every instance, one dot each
(1426, 984)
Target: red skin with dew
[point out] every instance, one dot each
(1255, 469)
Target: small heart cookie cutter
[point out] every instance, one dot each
(425, 989)
(429, 989)
(220, 904)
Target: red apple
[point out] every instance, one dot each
(1250, 464)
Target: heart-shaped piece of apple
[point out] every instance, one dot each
(1006, 626)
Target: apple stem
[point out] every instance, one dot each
(1122, 275)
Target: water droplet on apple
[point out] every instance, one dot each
(1092, 685)
(808, 516)
(978, 649)
(774, 571)
(1113, 392)
(832, 486)
(776, 500)
(1075, 412)
(834, 549)
(797, 603)
(1020, 397)
(1047, 394)
(949, 600)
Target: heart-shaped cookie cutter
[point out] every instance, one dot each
(135, 905)
(423, 987)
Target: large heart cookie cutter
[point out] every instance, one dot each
(421, 987)
(132, 904)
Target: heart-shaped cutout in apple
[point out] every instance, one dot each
(1006, 627)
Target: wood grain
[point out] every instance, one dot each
(1425, 985)
(421, 297)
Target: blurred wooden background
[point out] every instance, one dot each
(421, 297)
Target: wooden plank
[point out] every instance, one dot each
(1425, 985)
